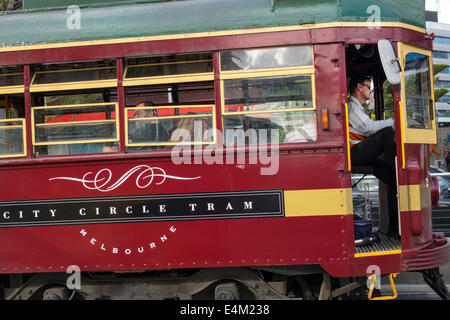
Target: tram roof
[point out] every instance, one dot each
(45, 21)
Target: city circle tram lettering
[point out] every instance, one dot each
(242, 204)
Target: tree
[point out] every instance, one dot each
(438, 93)
(16, 4)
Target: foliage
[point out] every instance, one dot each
(438, 93)
(438, 68)
(4, 4)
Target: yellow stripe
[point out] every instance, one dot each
(349, 161)
(176, 78)
(212, 34)
(409, 197)
(68, 123)
(269, 111)
(378, 253)
(12, 89)
(321, 202)
(267, 72)
(402, 133)
(73, 85)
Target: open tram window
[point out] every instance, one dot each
(74, 75)
(81, 122)
(268, 95)
(162, 116)
(74, 107)
(177, 68)
(12, 112)
(169, 101)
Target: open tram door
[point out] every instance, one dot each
(409, 73)
(417, 131)
(402, 86)
(368, 191)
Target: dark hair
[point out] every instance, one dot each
(147, 103)
(355, 80)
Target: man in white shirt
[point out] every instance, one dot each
(373, 143)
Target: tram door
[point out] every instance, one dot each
(370, 198)
(418, 131)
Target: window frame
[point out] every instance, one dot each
(169, 144)
(267, 73)
(76, 85)
(175, 78)
(24, 137)
(416, 135)
(15, 88)
(116, 121)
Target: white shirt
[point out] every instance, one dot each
(360, 122)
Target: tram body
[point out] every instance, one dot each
(216, 208)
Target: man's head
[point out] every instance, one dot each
(142, 113)
(359, 87)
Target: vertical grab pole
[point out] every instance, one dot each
(348, 138)
(402, 134)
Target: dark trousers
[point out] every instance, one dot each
(368, 152)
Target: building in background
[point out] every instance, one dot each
(441, 55)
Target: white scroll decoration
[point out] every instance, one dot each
(101, 181)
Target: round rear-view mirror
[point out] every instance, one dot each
(389, 61)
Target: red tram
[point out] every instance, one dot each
(200, 148)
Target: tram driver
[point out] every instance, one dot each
(372, 143)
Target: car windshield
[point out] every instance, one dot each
(366, 184)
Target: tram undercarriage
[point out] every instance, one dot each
(256, 283)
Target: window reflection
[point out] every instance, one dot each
(266, 58)
(418, 93)
(269, 93)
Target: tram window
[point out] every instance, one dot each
(418, 92)
(165, 126)
(154, 113)
(12, 126)
(166, 66)
(11, 76)
(74, 129)
(268, 93)
(292, 56)
(259, 105)
(299, 126)
(58, 76)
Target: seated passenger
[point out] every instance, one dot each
(192, 130)
(371, 139)
(146, 130)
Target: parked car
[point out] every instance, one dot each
(366, 201)
(365, 197)
(441, 213)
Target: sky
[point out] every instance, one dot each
(443, 8)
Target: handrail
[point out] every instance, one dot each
(372, 285)
(402, 133)
(348, 138)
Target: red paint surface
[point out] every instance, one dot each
(325, 240)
